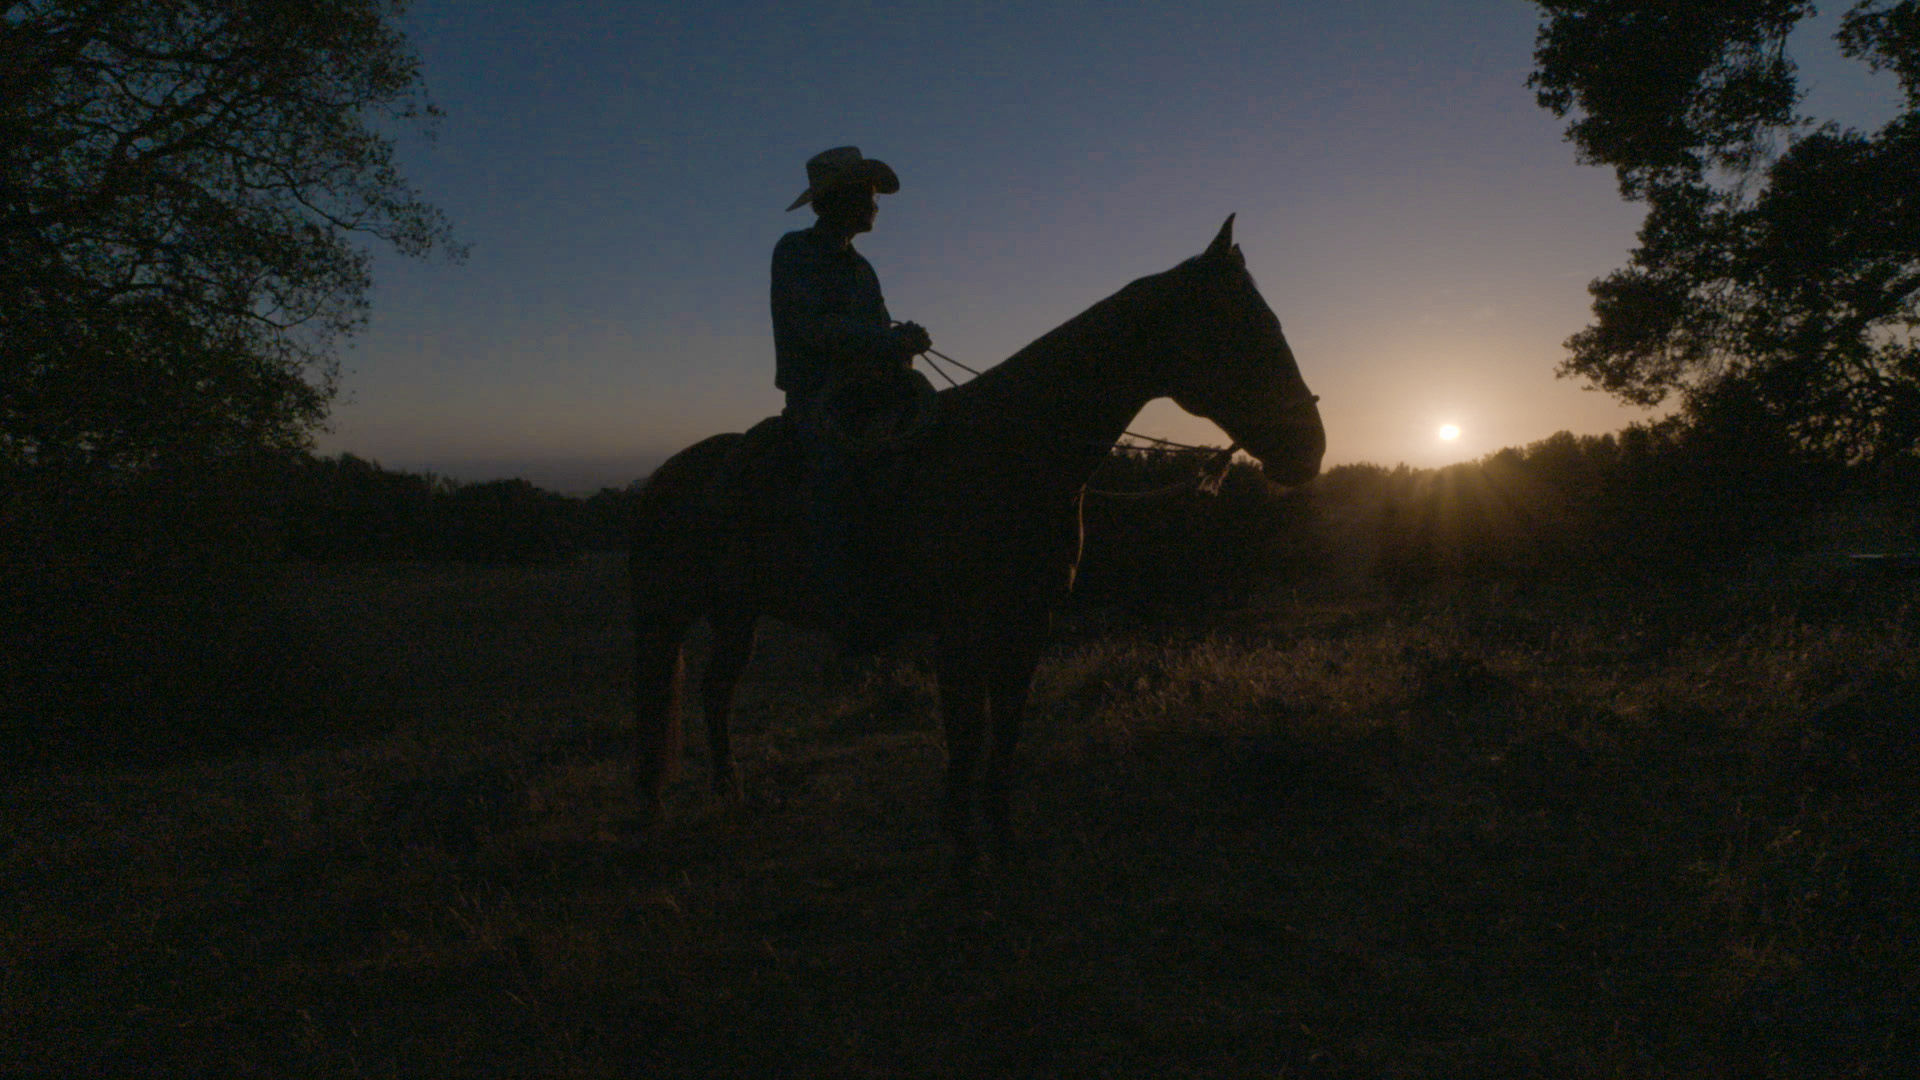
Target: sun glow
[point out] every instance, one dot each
(1449, 432)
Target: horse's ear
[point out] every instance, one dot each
(1222, 243)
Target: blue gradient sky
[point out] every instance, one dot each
(620, 171)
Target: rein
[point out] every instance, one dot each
(1207, 478)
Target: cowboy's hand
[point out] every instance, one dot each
(913, 338)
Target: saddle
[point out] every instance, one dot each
(878, 419)
(877, 414)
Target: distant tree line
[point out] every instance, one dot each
(318, 509)
(1680, 496)
(149, 592)
(145, 600)
(348, 509)
(1700, 494)
(1672, 502)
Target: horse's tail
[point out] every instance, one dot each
(668, 577)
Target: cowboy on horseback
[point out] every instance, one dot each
(829, 319)
(831, 330)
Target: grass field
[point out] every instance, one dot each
(1481, 836)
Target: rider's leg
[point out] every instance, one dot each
(833, 496)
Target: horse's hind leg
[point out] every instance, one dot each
(1009, 679)
(963, 700)
(659, 675)
(732, 645)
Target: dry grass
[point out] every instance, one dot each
(1332, 840)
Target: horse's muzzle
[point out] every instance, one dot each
(1291, 473)
(1289, 447)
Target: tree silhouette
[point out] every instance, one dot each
(1779, 253)
(180, 188)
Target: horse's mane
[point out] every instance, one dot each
(1064, 346)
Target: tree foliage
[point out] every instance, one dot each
(1780, 256)
(182, 185)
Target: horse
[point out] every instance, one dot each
(983, 523)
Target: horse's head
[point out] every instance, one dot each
(1229, 362)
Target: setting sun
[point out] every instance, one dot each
(1449, 432)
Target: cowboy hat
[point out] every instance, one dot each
(841, 166)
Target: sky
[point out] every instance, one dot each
(620, 170)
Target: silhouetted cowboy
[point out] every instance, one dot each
(829, 318)
(830, 323)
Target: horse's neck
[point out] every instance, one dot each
(1064, 400)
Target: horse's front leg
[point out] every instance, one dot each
(963, 700)
(1010, 666)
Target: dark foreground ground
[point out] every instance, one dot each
(1481, 837)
